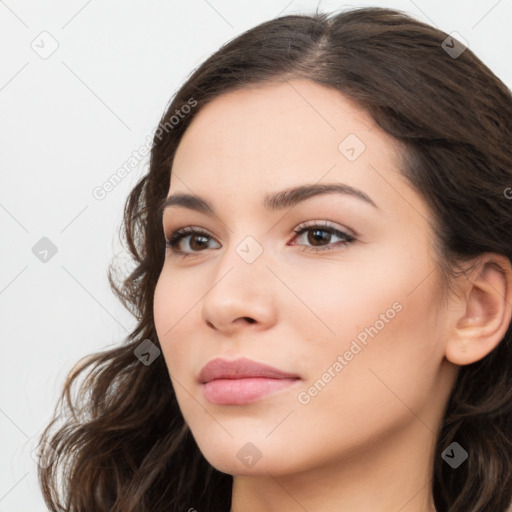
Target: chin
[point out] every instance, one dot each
(242, 457)
(230, 464)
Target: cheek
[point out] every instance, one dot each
(176, 295)
(170, 309)
(342, 300)
(378, 386)
(382, 320)
(164, 304)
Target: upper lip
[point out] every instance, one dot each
(240, 369)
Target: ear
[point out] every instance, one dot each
(487, 310)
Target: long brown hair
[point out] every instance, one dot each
(124, 445)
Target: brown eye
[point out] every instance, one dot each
(320, 236)
(197, 242)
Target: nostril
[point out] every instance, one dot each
(250, 320)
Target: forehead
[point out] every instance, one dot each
(291, 119)
(294, 126)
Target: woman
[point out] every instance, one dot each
(322, 285)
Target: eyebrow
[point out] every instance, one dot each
(276, 201)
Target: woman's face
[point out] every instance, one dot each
(348, 309)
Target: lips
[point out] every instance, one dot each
(240, 369)
(241, 381)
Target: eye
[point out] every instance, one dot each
(174, 241)
(318, 234)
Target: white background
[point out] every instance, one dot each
(68, 122)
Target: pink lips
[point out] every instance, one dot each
(241, 381)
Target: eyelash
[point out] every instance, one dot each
(178, 235)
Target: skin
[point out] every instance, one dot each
(365, 441)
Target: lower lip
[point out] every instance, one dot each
(242, 391)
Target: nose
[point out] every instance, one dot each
(240, 295)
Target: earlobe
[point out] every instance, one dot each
(487, 311)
